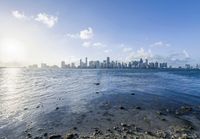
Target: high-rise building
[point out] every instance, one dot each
(86, 62)
(63, 64)
(81, 63)
(108, 62)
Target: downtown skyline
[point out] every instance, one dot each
(52, 31)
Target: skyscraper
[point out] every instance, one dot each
(86, 62)
(62, 64)
(108, 62)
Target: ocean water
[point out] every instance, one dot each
(29, 98)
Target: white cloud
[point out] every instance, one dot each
(127, 49)
(87, 34)
(18, 15)
(140, 53)
(160, 44)
(46, 19)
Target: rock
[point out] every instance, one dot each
(29, 135)
(184, 136)
(75, 128)
(137, 107)
(123, 124)
(122, 108)
(161, 134)
(72, 136)
(25, 108)
(57, 108)
(55, 137)
(132, 94)
(38, 106)
(45, 134)
(97, 92)
(97, 83)
(159, 113)
(38, 138)
(186, 109)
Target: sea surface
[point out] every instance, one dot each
(52, 100)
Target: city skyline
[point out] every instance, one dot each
(109, 63)
(51, 31)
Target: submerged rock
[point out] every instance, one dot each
(138, 107)
(45, 134)
(25, 108)
(55, 137)
(29, 135)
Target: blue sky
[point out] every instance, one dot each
(50, 31)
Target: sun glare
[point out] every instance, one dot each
(12, 50)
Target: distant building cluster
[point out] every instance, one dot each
(107, 63)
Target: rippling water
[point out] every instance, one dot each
(28, 98)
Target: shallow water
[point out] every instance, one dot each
(29, 98)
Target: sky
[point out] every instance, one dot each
(49, 31)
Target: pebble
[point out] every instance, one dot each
(132, 93)
(25, 108)
(97, 83)
(38, 106)
(57, 108)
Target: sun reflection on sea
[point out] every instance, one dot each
(10, 99)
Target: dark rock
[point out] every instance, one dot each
(29, 135)
(38, 138)
(75, 128)
(72, 136)
(123, 124)
(132, 93)
(25, 108)
(122, 108)
(45, 134)
(55, 137)
(97, 83)
(186, 109)
(97, 92)
(38, 106)
(159, 113)
(57, 108)
(137, 107)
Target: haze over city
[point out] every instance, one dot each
(53, 31)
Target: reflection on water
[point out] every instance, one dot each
(29, 98)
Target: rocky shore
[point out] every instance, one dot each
(111, 122)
